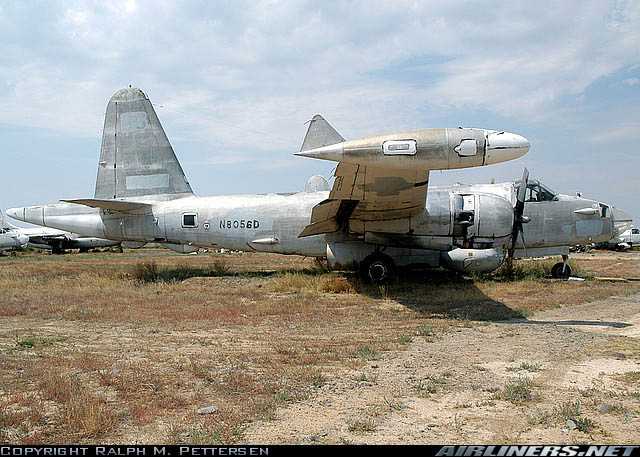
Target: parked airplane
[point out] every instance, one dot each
(624, 241)
(142, 194)
(11, 241)
(377, 215)
(56, 240)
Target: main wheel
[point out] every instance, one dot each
(561, 271)
(56, 248)
(377, 268)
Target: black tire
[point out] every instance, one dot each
(56, 248)
(558, 273)
(377, 268)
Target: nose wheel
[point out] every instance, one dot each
(561, 270)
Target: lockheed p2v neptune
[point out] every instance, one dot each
(377, 216)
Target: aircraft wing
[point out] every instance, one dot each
(113, 205)
(365, 198)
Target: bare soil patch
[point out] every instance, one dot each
(288, 353)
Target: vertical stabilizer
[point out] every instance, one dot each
(4, 223)
(319, 134)
(136, 158)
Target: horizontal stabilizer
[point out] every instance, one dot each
(320, 134)
(113, 205)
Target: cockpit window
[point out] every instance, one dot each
(537, 192)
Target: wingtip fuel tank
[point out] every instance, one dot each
(433, 149)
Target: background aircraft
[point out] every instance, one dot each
(56, 240)
(624, 241)
(10, 240)
(377, 216)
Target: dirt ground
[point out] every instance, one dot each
(288, 355)
(577, 354)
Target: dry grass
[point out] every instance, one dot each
(99, 346)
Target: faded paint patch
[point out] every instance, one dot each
(386, 186)
(156, 181)
(589, 227)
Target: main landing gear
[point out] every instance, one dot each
(377, 268)
(561, 270)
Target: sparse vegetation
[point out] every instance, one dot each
(571, 411)
(98, 346)
(515, 391)
(361, 425)
(150, 271)
(526, 366)
(520, 270)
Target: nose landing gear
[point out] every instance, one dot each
(561, 270)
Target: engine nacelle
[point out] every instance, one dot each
(349, 255)
(181, 248)
(472, 260)
(133, 244)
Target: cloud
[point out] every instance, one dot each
(626, 131)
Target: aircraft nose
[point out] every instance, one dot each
(621, 221)
(504, 146)
(15, 213)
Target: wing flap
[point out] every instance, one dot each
(370, 199)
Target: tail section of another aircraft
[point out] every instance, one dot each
(319, 134)
(136, 158)
(4, 224)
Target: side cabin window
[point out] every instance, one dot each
(190, 220)
(399, 147)
(635, 231)
(467, 148)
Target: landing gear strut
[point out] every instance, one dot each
(561, 270)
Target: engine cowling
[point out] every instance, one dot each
(181, 248)
(472, 260)
(133, 244)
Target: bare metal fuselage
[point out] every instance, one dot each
(467, 217)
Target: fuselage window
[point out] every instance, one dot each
(190, 220)
(399, 147)
(635, 231)
(604, 210)
(532, 193)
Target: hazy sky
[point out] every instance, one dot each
(234, 82)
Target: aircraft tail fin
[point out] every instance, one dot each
(136, 158)
(320, 133)
(4, 223)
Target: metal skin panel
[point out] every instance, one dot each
(12, 240)
(45, 238)
(385, 201)
(136, 158)
(280, 218)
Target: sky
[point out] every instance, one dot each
(234, 82)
